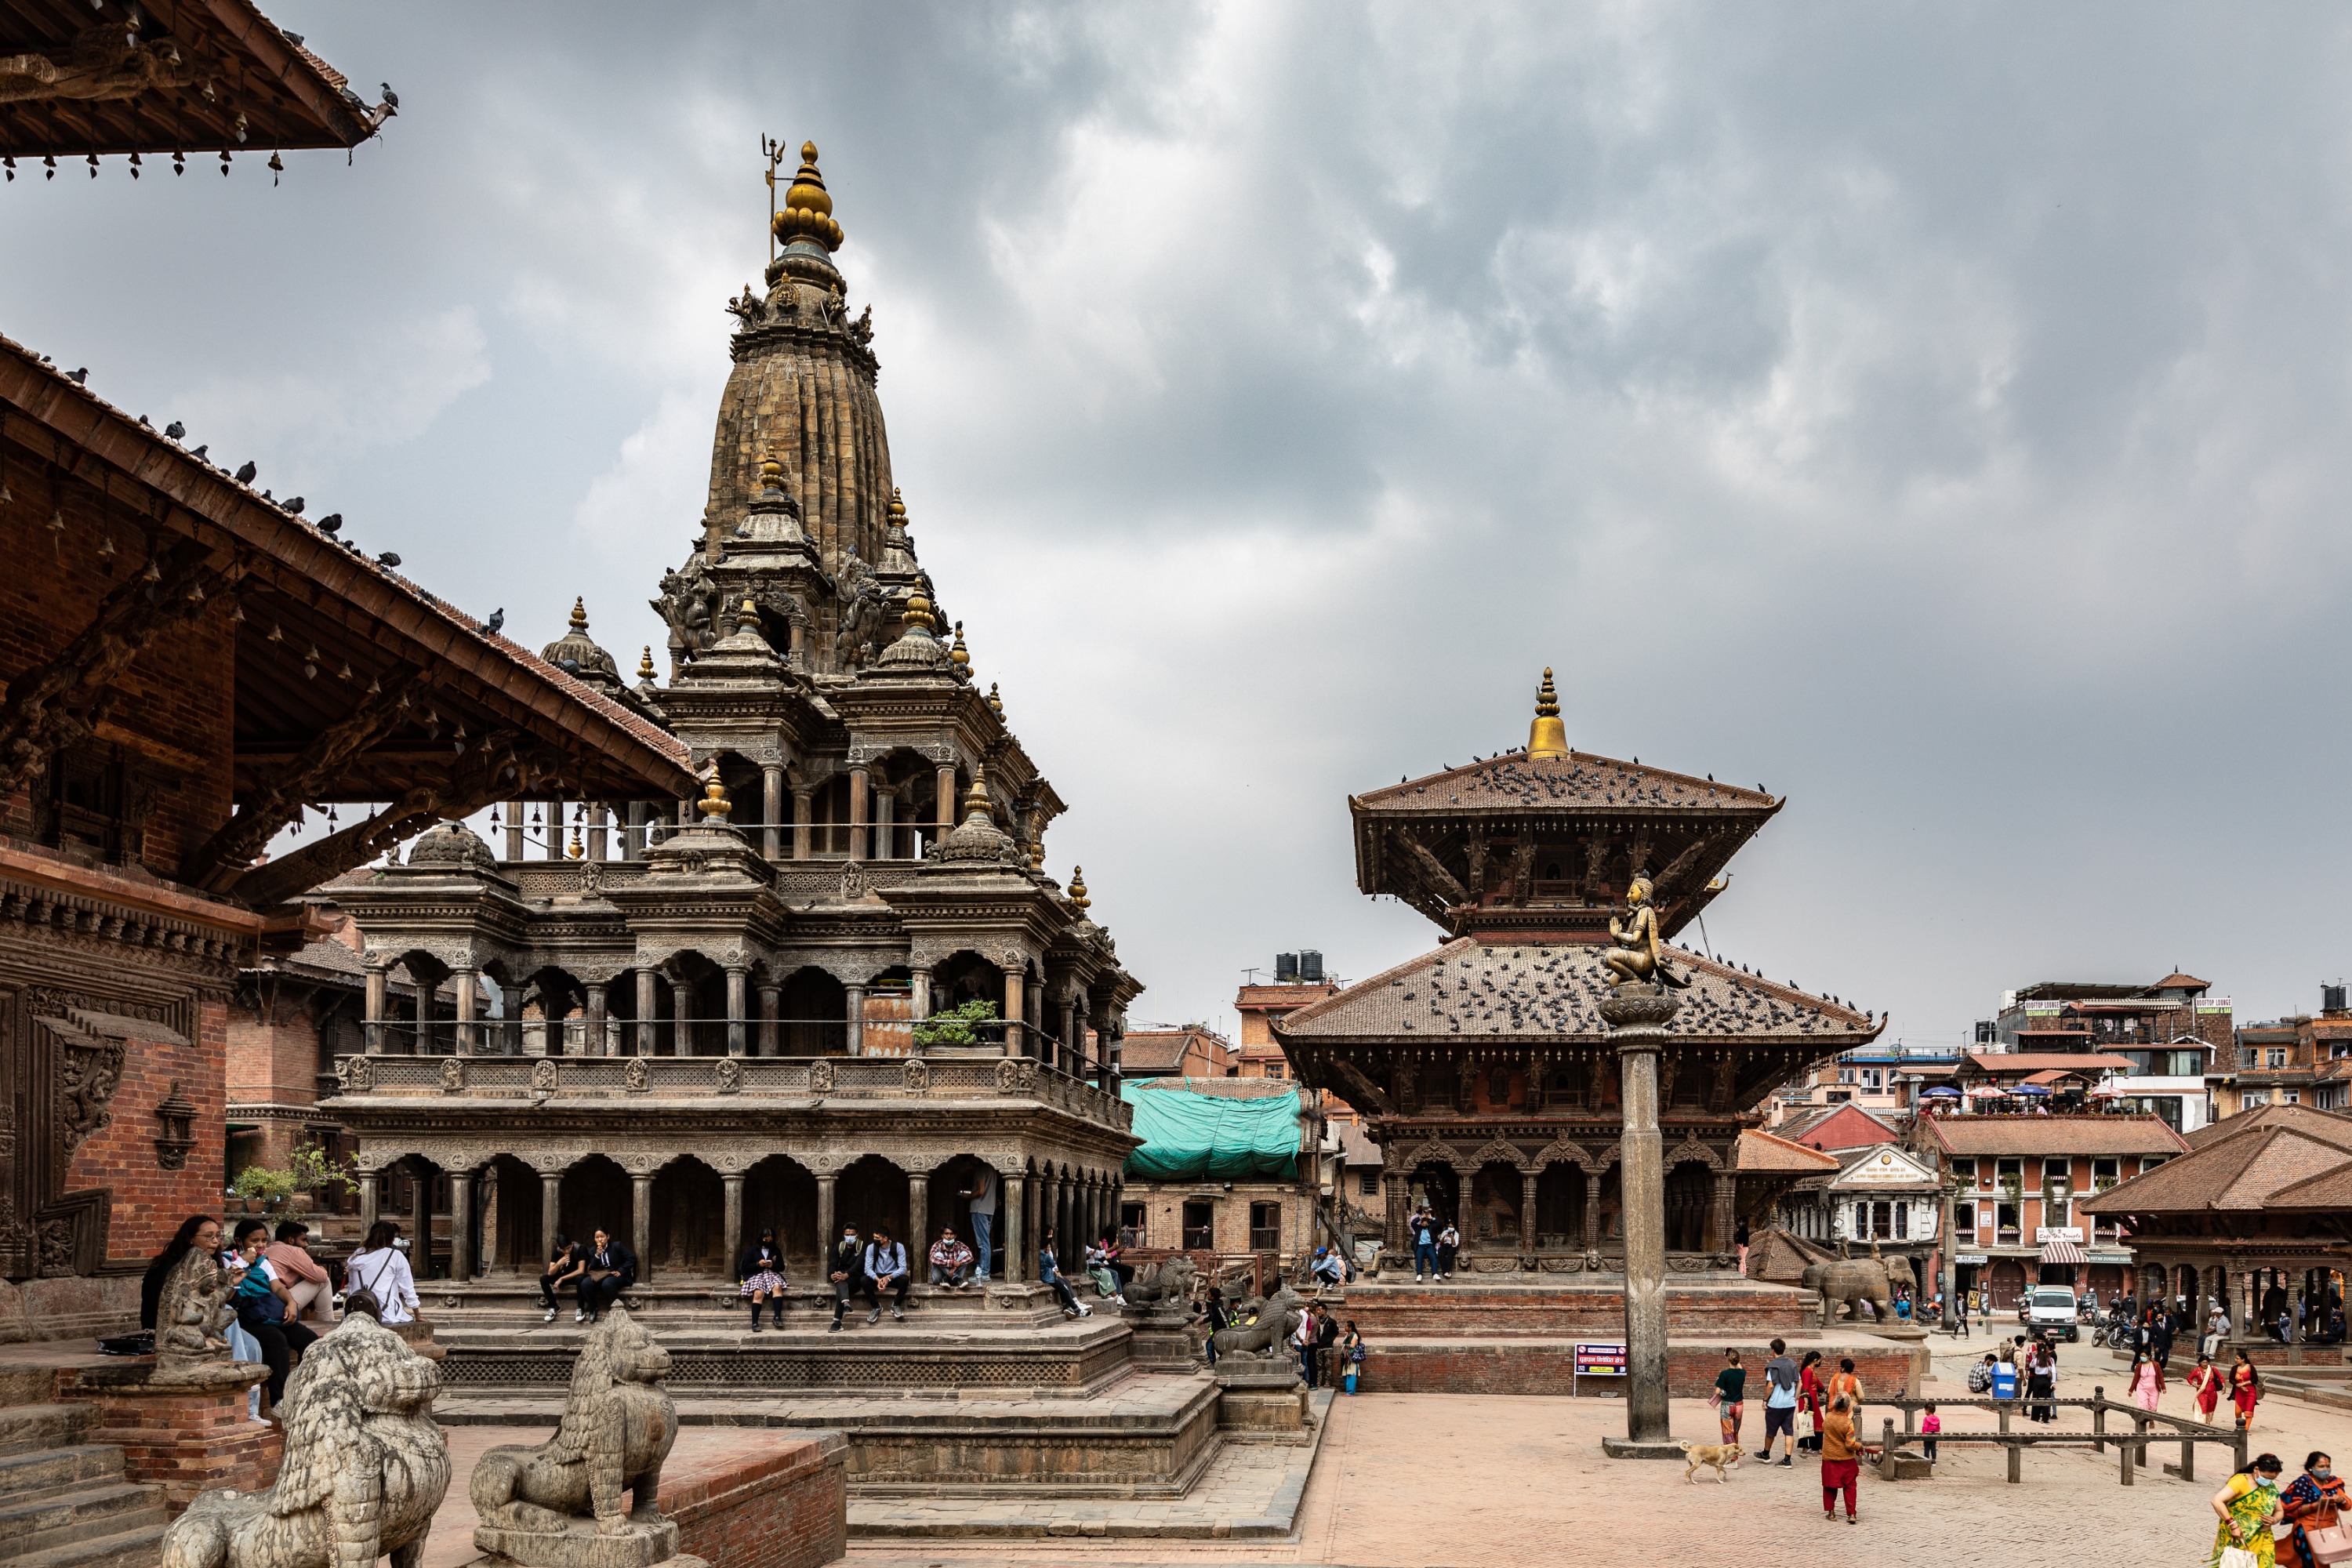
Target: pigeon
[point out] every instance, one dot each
(497, 618)
(331, 523)
(245, 475)
(293, 38)
(142, 420)
(353, 98)
(391, 99)
(199, 453)
(174, 430)
(295, 506)
(389, 558)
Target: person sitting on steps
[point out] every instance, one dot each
(847, 1273)
(885, 1269)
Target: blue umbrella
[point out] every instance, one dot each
(1941, 1091)
(2030, 1089)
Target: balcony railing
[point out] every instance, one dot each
(669, 1035)
(956, 1075)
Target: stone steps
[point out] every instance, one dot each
(85, 1513)
(139, 1548)
(47, 1472)
(25, 1428)
(63, 1501)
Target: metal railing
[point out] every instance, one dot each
(2131, 1446)
(668, 1035)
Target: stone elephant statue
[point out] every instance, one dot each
(1845, 1280)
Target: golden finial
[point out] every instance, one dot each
(807, 211)
(1036, 854)
(898, 507)
(716, 806)
(961, 656)
(772, 472)
(918, 610)
(646, 665)
(1547, 737)
(995, 703)
(748, 615)
(1078, 886)
(580, 615)
(576, 851)
(975, 800)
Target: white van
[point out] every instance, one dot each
(2050, 1307)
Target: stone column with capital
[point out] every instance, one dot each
(947, 798)
(857, 811)
(1637, 1015)
(918, 1221)
(771, 813)
(681, 1033)
(550, 1211)
(641, 1224)
(1528, 1179)
(732, 1183)
(855, 1006)
(1016, 986)
(369, 1187)
(804, 817)
(461, 1214)
(1722, 1219)
(1393, 1195)
(466, 981)
(646, 1002)
(420, 1218)
(771, 1001)
(885, 824)
(825, 1228)
(378, 983)
(738, 979)
(1014, 1212)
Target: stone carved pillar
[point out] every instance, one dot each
(856, 1010)
(827, 1232)
(641, 1224)
(857, 846)
(947, 798)
(1528, 1179)
(772, 816)
(378, 983)
(1014, 1212)
(646, 1002)
(550, 1211)
(1720, 1221)
(599, 1038)
(369, 1187)
(1592, 1210)
(803, 816)
(420, 1218)
(1637, 1015)
(461, 1214)
(918, 1221)
(733, 1222)
(771, 1000)
(885, 824)
(466, 981)
(920, 993)
(1392, 1193)
(1016, 985)
(681, 1006)
(738, 979)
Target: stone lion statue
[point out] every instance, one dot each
(192, 1319)
(1277, 1319)
(617, 1427)
(365, 1467)
(1169, 1283)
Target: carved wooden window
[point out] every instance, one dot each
(1200, 1225)
(1568, 1088)
(84, 804)
(1266, 1227)
(1368, 1183)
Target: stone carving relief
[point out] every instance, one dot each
(1008, 1075)
(821, 1076)
(358, 1074)
(542, 1076)
(636, 1075)
(453, 1075)
(192, 1320)
(916, 1075)
(730, 1075)
(853, 881)
(591, 878)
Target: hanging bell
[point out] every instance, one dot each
(276, 167)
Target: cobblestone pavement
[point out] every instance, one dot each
(1410, 1480)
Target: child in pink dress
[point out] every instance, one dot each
(1930, 1425)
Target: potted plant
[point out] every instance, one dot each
(309, 1169)
(959, 1026)
(264, 1184)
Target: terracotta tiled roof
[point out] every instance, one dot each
(2240, 1172)
(1579, 780)
(2007, 1064)
(1545, 990)
(2326, 1125)
(1761, 1151)
(1220, 1088)
(1161, 1050)
(2051, 1075)
(2177, 981)
(1976, 1135)
(1845, 1127)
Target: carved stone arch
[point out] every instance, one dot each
(1431, 1150)
(1599, 1158)
(375, 1159)
(1691, 1150)
(1561, 1150)
(1496, 1151)
(642, 1161)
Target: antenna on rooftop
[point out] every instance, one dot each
(774, 151)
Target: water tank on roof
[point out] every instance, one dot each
(2331, 998)
(1285, 968)
(1310, 967)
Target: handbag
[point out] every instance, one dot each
(2329, 1543)
(1807, 1425)
(2238, 1557)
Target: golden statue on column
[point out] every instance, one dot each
(1635, 956)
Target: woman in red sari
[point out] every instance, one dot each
(2245, 1389)
(1811, 1397)
(2205, 1383)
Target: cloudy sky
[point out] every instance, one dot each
(1935, 414)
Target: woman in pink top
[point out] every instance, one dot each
(2147, 1381)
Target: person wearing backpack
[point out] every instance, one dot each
(264, 1310)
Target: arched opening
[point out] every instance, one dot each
(414, 1007)
(873, 1192)
(829, 811)
(594, 1195)
(966, 976)
(512, 1200)
(1496, 1195)
(780, 1193)
(415, 1195)
(889, 1029)
(1559, 1206)
(553, 1014)
(689, 1208)
(816, 1008)
(1437, 1187)
(947, 1207)
(1689, 1186)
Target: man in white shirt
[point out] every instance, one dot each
(1781, 1402)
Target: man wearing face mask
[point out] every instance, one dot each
(847, 1272)
(885, 1269)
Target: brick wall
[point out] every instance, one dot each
(773, 1501)
(187, 1440)
(1164, 1213)
(149, 1201)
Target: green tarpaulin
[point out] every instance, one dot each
(1190, 1135)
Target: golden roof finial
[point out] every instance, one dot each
(748, 615)
(918, 609)
(646, 665)
(898, 507)
(1547, 737)
(580, 613)
(716, 806)
(995, 703)
(960, 657)
(1078, 886)
(772, 471)
(577, 849)
(807, 210)
(975, 800)
(1036, 854)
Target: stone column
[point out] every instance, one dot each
(633, 829)
(885, 815)
(1637, 1015)
(857, 1008)
(1014, 1211)
(599, 842)
(771, 1000)
(421, 1042)
(947, 799)
(919, 991)
(1528, 1179)
(681, 1006)
(641, 1223)
(1016, 986)
(738, 979)
(464, 980)
(378, 978)
(514, 830)
(1592, 1210)
(857, 811)
(1720, 1223)
(600, 1037)
(771, 817)
(420, 1219)
(550, 1211)
(461, 1214)
(804, 816)
(1074, 1049)
(827, 1230)
(1033, 1008)
(368, 1181)
(646, 1002)
(918, 1221)
(732, 1182)
(1393, 1195)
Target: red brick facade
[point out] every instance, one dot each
(774, 1502)
(150, 1202)
(185, 1440)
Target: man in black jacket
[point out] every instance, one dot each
(611, 1268)
(847, 1272)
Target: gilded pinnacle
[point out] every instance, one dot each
(716, 806)
(1078, 886)
(975, 800)
(806, 209)
(995, 703)
(772, 472)
(961, 656)
(1547, 737)
(646, 665)
(580, 615)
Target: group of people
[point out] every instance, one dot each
(275, 1284)
(2253, 1503)
(1434, 1244)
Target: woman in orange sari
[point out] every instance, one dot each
(2205, 1383)
(2245, 1389)
(2313, 1502)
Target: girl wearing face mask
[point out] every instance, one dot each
(2313, 1502)
(2246, 1507)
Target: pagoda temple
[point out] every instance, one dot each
(1484, 1069)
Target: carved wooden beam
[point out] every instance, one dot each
(1362, 1092)
(60, 702)
(497, 768)
(223, 857)
(1433, 870)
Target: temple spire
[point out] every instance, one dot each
(806, 212)
(1547, 737)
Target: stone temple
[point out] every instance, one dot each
(695, 1018)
